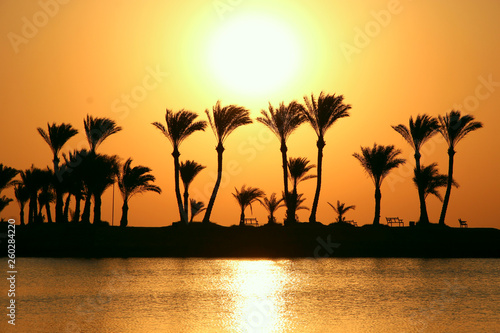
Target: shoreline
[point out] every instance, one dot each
(216, 241)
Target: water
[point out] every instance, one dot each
(224, 295)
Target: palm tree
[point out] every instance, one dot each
(272, 204)
(133, 181)
(419, 131)
(378, 162)
(454, 127)
(321, 115)
(223, 120)
(32, 179)
(98, 129)
(282, 122)
(341, 209)
(298, 169)
(22, 196)
(180, 125)
(75, 182)
(294, 201)
(431, 180)
(189, 170)
(56, 136)
(46, 195)
(196, 208)
(4, 202)
(245, 198)
(6, 176)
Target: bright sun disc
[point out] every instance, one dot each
(254, 55)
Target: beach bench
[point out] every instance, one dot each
(251, 221)
(463, 224)
(354, 223)
(394, 220)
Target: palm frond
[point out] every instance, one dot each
(224, 120)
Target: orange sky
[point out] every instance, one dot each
(61, 60)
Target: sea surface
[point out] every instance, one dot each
(228, 295)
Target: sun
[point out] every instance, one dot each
(254, 55)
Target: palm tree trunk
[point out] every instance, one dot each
(86, 209)
(97, 208)
(378, 197)
(182, 213)
(32, 209)
(76, 214)
(21, 214)
(47, 210)
(451, 154)
(59, 199)
(66, 208)
(284, 162)
(208, 212)
(124, 218)
(242, 217)
(424, 217)
(320, 144)
(186, 201)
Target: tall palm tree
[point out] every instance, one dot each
(75, 182)
(272, 204)
(341, 209)
(196, 208)
(223, 120)
(378, 162)
(454, 127)
(22, 197)
(180, 125)
(6, 176)
(282, 122)
(132, 181)
(321, 114)
(431, 180)
(245, 197)
(189, 170)
(56, 136)
(98, 129)
(298, 169)
(419, 131)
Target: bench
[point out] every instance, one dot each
(394, 220)
(463, 224)
(251, 221)
(354, 223)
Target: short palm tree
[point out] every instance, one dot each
(272, 204)
(454, 127)
(4, 202)
(98, 129)
(223, 120)
(321, 114)
(431, 180)
(46, 195)
(298, 169)
(22, 197)
(75, 182)
(32, 179)
(282, 121)
(378, 162)
(419, 131)
(189, 170)
(180, 126)
(245, 197)
(56, 136)
(7, 174)
(341, 209)
(132, 181)
(196, 208)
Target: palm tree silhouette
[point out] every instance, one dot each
(282, 122)
(341, 209)
(180, 125)
(418, 132)
(74, 182)
(189, 170)
(56, 136)
(133, 181)
(378, 162)
(46, 195)
(245, 198)
(454, 127)
(321, 114)
(7, 174)
(223, 120)
(22, 196)
(4, 202)
(298, 169)
(196, 208)
(98, 129)
(272, 204)
(431, 180)
(32, 179)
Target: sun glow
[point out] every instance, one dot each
(254, 55)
